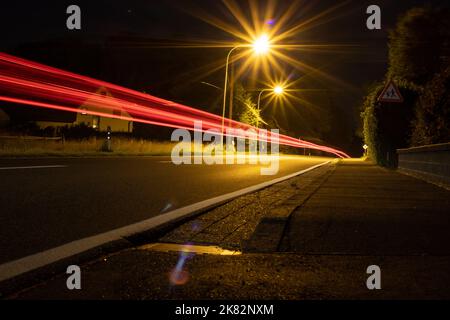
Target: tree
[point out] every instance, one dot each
(387, 126)
(432, 123)
(418, 44)
(418, 49)
(244, 108)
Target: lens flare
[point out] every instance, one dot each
(178, 276)
(278, 90)
(262, 45)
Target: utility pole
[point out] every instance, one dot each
(230, 114)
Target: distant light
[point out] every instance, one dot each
(365, 147)
(261, 45)
(278, 90)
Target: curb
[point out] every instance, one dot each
(271, 230)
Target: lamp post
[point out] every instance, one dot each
(278, 90)
(225, 87)
(260, 46)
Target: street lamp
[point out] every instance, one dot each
(260, 46)
(278, 90)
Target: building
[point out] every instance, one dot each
(99, 123)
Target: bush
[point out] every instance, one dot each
(370, 123)
(387, 126)
(418, 43)
(418, 48)
(432, 123)
(78, 132)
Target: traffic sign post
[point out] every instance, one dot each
(391, 94)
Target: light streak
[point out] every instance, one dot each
(29, 83)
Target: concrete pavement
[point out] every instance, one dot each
(363, 209)
(342, 218)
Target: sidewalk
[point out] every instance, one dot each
(311, 237)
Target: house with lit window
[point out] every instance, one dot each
(99, 123)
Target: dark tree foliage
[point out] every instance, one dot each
(244, 107)
(387, 125)
(418, 50)
(78, 132)
(419, 44)
(432, 123)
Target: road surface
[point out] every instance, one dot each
(49, 202)
(352, 215)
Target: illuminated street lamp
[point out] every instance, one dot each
(277, 90)
(260, 46)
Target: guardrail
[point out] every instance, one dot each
(431, 162)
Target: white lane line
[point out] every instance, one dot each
(14, 268)
(32, 167)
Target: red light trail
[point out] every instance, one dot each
(29, 83)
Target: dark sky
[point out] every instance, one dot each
(35, 20)
(125, 32)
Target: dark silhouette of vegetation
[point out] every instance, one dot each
(78, 132)
(419, 65)
(418, 44)
(432, 123)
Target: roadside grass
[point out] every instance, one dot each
(87, 147)
(24, 147)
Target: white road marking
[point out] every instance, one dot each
(32, 167)
(17, 267)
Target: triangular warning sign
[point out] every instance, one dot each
(391, 94)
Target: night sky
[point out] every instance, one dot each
(121, 42)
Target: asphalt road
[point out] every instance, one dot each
(60, 200)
